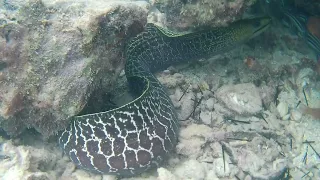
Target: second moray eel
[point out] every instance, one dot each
(138, 136)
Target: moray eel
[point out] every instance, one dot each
(140, 135)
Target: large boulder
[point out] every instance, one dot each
(54, 54)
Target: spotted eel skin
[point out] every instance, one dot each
(140, 135)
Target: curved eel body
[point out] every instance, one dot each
(135, 137)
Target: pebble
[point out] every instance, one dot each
(283, 109)
(295, 115)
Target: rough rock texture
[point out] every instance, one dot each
(258, 153)
(181, 14)
(26, 162)
(54, 54)
(241, 98)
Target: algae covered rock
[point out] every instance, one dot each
(241, 98)
(188, 13)
(54, 54)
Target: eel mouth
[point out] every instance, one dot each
(262, 28)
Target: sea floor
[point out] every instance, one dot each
(241, 118)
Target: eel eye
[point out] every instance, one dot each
(257, 24)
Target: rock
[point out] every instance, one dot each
(221, 169)
(210, 104)
(184, 102)
(191, 169)
(241, 98)
(171, 81)
(192, 139)
(304, 76)
(54, 54)
(183, 14)
(84, 175)
(295, 115)
(267, 93)
(196, 130)
(206, 117)
(283, 109)
(190, 147)
(165, 174)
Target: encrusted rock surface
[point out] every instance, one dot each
(27, 162)
(54, 54)
(181, 14)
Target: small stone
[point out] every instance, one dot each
(286, 117)
(248, 177)
(204, 86)
(166, 72)
(122, 73)
(221, 168)
(283, 109)
(210, 104)
(295, 115)
(206, 117)
(191, 169)
(179, 78)
(207, 94)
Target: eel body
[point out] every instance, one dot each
(140, 135)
